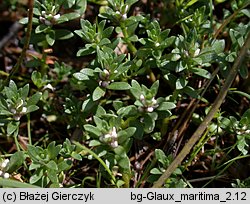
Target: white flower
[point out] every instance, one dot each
(142, 97)
(41, 19)
(4, 163)
(24, 110)
(20, 104)
(12, 110)
(150, 109)
(106, 72)
(126, 8)
(197, 52)
(105, 138)
(113, 133)
(57, 16)
(124, 16)
(154, 101)
(6, 175)
(43, 13)
(110, 138)
(1, 172)
(49, 86)
(114, 144)
(157, 44)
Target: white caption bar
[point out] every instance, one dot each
(128, 196)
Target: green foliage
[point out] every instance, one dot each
(163, 162)
(239, 127)
(15, 103)
(50, 164)
(241, 184)
(95, 35)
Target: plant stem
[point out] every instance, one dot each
(25, 47)
(216, 105)
(28, 128)
(44, 66)
(15, 184)
(131, 47)
(211, 16)
(16, 143)
(113, 180)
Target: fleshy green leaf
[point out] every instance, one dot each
(52, 165)
(82, 5)
(94, 143)
(180, 83)
(52, 175)
(24, 20)
(119, 86)
(218, 46)
(104, 41)
(41, 28)
(64, 165)
(201, 72)
(33, 100)
(50, 37)
(149, 123)
(53, 150)
(127, 111)
(81, 76)
(92, 129)
(63, 34)
(25, 91)
(12, 127)
(34, 152)
(98, 93)
(135, 89)
(124, 163)
(76, 156)
(85, 51)
(36, 176)
(154, 88)
(160, 156)
(191, 91)
(32, 108)
(243, 70)
(155, 171)
(16, 160)
(166, 106)
(245, 119)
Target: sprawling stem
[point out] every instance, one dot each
(131, 47)
(113, 180)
